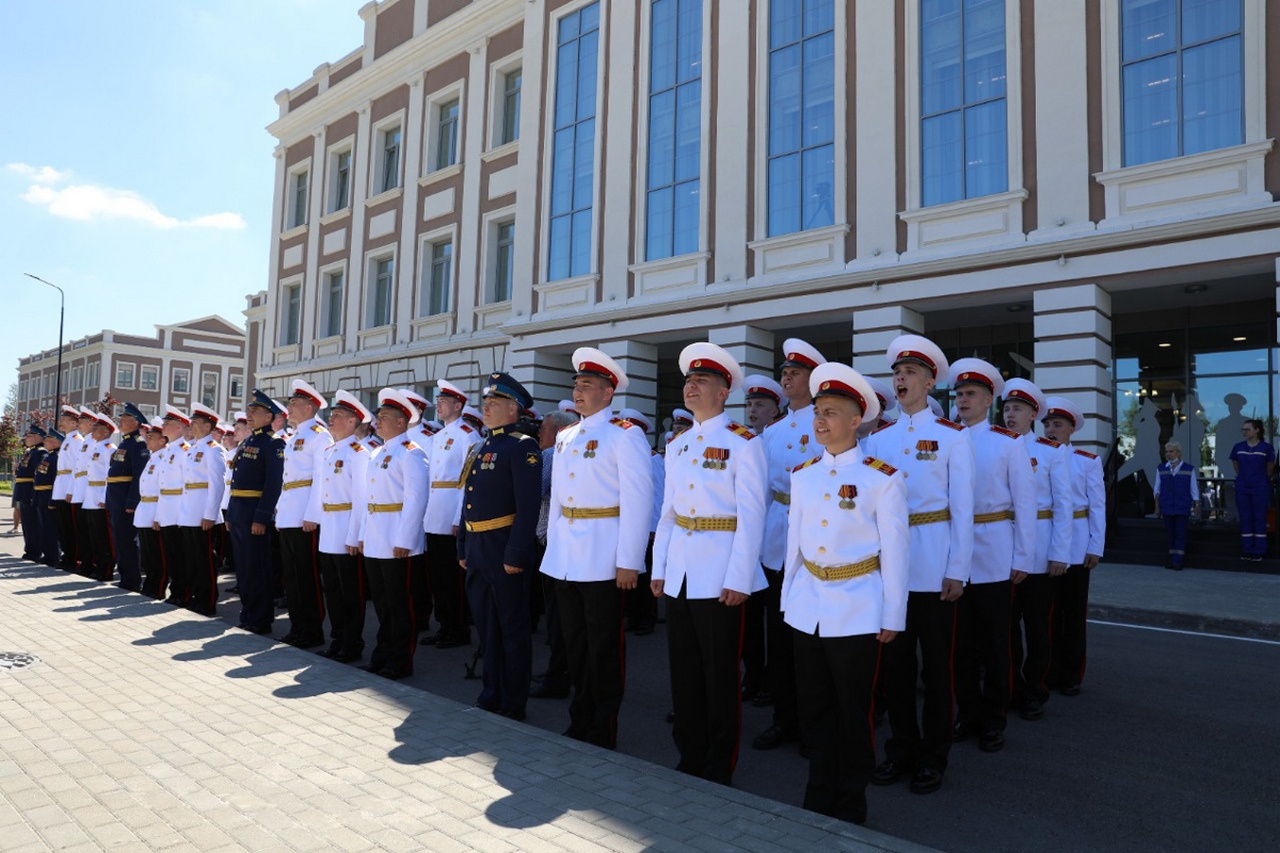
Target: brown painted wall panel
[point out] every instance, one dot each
(300, 240)
(385, 105)
(342, 128)
(900, 121)
(453, 182)
(1272, 175)
(1093, 80)
(136, 341)
(298, 152)
(1030, 216)
(851, 136)
(303, 96)
(506, 42)
(441, 9)
(450, 71)
(336, 76)
(394, 27)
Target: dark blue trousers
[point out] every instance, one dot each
(1252, 507)
(1175, 528)
(253, 566)
(50, 550)
(500, 610)
(30, 529)
(124, 538)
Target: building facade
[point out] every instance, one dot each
(1081, 192)
(197, 361)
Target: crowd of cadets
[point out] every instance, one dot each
(847, 545)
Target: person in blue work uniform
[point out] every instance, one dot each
(255, 488)
(24, 493)
(1176, 491)
(1255, 463)
(46, 502)
(498, 546)
(127, 464)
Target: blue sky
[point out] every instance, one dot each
(135, 168)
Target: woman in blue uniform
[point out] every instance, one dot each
(1255, 462)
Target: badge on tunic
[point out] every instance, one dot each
(1034, 464)
(448, 444)
(386, 460)
(804, 440)
(532, 458)
(297, 444)
(926, 449)
(337, 466)
(847, 493)
(488, 461)
(199, 456)
(590, 452)
(715, 458)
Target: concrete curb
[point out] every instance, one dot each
(1196, 622)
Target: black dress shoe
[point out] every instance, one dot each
(926, 781)
(431, 639)
(347, 657)
(308, 642)
(888, 772)
(961, 731)
(393, 673)
(289, 638)
(549, 690)
(992, 740)
(1069, 690)
(453, 641)
(331, 652)
(1032, 709)
(260, 630)
(773, 737)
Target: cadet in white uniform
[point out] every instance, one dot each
(787, 444)
(706, 559)
(1004, 545)
(937, 463)
(447, 453)
(172, 477)
(642, 608)
(1088, 538)
(64, 484)
(422, 435)
(80, 452)
(338, 490)
(154, 580)
(1033, 598)
(598, 530)
(391, 533)
(95, 497)
(200, 510)
(845, 592)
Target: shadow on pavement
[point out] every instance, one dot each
(194, 629)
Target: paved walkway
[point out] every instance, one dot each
(142, 727)
(1236, 603)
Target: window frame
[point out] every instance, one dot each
(435, 102)
(378, 173)
(427, 245)
(324, 308)
(335, 189)
(299, 177)
(154, 369)
(373, 259)
(235, 387)
(287, 288)
(212, 400)
(185, 373)
(133, 375)
(499, 69)
(93, 375)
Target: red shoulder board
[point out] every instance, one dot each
(1086, 454)
(1048, 441)
(880, 465)
(1003, 431)
(357, 446)
(955, 426)
(883, 427)
(621, 422)
(806, 464)
(408, 443)
(466, 428)
(739, 429)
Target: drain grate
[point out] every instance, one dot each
(17, 660)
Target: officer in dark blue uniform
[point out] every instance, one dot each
(46, 504)
(24, 493)
(127, 464)
(497, 544)
(257, 475)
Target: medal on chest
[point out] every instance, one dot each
(1035, 463)
(847, 493)
(590, 452)
(488, 461)
(337, 466)
(715, 458)
(926, 449)
(297, 444)
(386, 460)
(448, 444)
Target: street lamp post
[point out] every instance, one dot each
(62, 310)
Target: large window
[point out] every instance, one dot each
(290, 314)
(92, 382)
(209, 388)
(77, 377)
(388, 172)
(504, 261)
(963, 114)
(1182, 77)
(124, 375)
(340, 175)
(573, 151)
(378, 311)
(447, 134)
(237, 387)
(297, 199)
(181, 380)
(149, 377)
(510, 106)
(675, 128)
(437, 279)
(331, 304)
(801, 115)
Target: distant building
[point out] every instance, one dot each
(196, 361)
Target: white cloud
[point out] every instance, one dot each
(89, 203)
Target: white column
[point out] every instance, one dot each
(640, 362)
(315, 209)
(362, 160)
(271, 327)
(732, 193)
(407, 257)
(1062, 138)
(547, 376)
(752, 347)
(529, 166)
(470, 240)
(614, 221)
(1073, 356)
(874, 329)
(875, 143)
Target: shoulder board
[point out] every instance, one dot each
(1008, 433)
(357, 446)
(408, 443)
(467, 429)
(880, 465)
(620, 422)
(803, 465)
(523, 436)
(883, 427)
(1086, 454)
(955, 426)
(317, 428)
(1048, 442)
(739, 429)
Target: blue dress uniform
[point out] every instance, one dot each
(502, 496)
(46, 503)
(24, 495)
(127, 464)
(255, 488)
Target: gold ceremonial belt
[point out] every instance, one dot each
(1081, 513)
(48, 488)
(91, 482)
(335, 507)
(491, 524)
(242, 493)
(726, 524)
(590, 512)
(190, 486)
(1044, 514)
(918, 518)
(446, 484)
(149, 499)
(842, 573)
(120, 479)
(782, 498)
(24, 479)
(170, 491)
(385, 507)
(80, 474)
(990, 517)
(296, 484)
(62, 471)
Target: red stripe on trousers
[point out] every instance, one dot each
(737, 681)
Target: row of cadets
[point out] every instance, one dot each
(642, 609)
(80, 483)
(598, 531)
(303, 454)
(1024, 404)
(845, 589)
(24, 493)
(391, 533)
(447, 454)
(200, 509)
(255, 489)
(127, 462)
(336, 494)
(46, 474)
(64, 485)
(706, 560)
(421, 434)
(937, 464)
(172, 477)
(150, 551)
(764, 407)
(1004, 546)
(787, 444)
(1063, 418)
(497, 544)
(100, 452)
